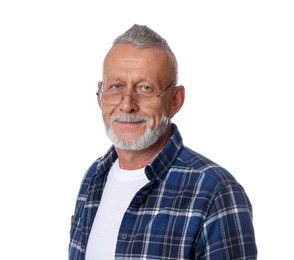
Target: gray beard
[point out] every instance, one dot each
(149, 137)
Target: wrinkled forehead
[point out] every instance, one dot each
(129, 52)
(125, 57)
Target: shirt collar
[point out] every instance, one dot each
(161, 164)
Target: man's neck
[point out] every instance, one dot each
(134, 159)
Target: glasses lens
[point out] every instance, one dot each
(144, 99)
(111, 98)
(116, 98)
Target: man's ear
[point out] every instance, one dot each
(99, 101)
(177, 100)
(98, 97)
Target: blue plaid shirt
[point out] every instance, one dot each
(191, 209)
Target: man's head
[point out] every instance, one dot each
(142, 37)
(138, 96)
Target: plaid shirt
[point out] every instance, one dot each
(191, 209)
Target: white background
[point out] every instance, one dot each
(236, 61)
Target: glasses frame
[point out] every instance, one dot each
(123, 94)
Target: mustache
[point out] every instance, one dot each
(128, 118)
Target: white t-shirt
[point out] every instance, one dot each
(120, 188)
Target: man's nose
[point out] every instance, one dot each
(127, 104)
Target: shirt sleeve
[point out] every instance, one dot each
(228, 230)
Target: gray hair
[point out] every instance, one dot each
(141, 36)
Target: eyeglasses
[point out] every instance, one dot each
(144, 95)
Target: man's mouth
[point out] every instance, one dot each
(127, 119)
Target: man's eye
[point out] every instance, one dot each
(115, 87)
(146, 89)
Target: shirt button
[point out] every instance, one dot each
(124, 237)
(139, 201)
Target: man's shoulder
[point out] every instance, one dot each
(100, 165)
(190, 161)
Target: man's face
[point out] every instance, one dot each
(131, 126)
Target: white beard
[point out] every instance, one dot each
(148, 138)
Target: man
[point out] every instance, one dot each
(149, 196)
